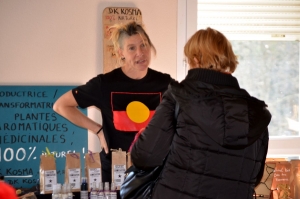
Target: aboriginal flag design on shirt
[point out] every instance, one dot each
(133, 111)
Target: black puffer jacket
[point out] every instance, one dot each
(217, 147)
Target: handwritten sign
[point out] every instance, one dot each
(111, 16)
(28, 125)
(281, 180)
(282, 174)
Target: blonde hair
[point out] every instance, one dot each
(119, 32)
(212, 50)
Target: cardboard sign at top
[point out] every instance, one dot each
(111, 16)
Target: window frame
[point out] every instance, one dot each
(279, 146)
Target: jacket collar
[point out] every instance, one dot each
(212, 77)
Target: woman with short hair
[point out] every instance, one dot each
(215, 148)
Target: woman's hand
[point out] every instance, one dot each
(103, 141)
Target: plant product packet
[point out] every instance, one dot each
(73, 171)
(93, 169)
(48, 174)
(118, 167)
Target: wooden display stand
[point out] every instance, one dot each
(111, 16)
(281, 179)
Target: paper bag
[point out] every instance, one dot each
(73, 171)
(93, 169)
(48, 175)
(118, 167)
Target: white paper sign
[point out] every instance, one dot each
(74, 178)
(94, 176)
(119, 174)
(50, 179)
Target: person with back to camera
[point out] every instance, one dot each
(133, 87)
(216, 149)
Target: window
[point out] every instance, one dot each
(269, 70)
(265, 36)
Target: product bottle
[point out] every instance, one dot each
(100, 194)
(64, 192)
(93, 194)
(84, 193)
(69, 191)
(56, 191)
(113, 191)
(106, 190)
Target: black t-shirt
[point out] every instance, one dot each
(126, 104)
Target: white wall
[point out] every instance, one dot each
(55, 42)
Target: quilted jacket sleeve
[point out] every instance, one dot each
(154, 143)
(262, 168)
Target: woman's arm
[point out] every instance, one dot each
(154, 143)
(66, 106)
